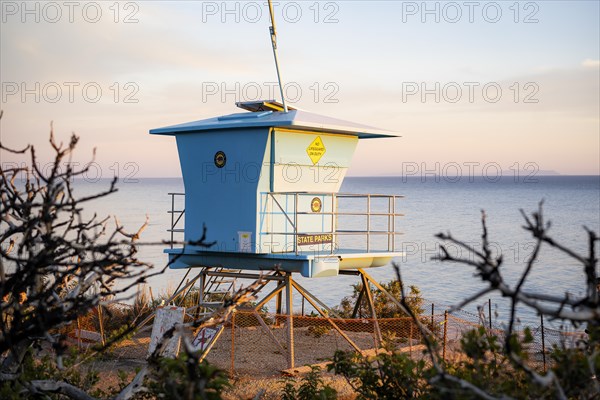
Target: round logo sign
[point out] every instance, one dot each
(315, 204)
(220, 159)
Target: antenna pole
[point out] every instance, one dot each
(273, 33)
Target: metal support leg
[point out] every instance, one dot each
(388, 294)
(358, 301)
(268, 297)
(278, 305)
(201, 286)
(310, 299)
(290, 319)
(369, 296)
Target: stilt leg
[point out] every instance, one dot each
(290, 319)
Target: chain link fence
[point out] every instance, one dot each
(257, 343)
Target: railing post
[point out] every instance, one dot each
(368, 220)
(172, 217)
(296, 222)
(334, 220)
(389, 218)
(333, 216)
(394, 223)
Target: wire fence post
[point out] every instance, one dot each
(101, 324)
(543, 342)
(432, 312)
(410, 335)
(78, 333)
(490, 312)
(232, 369)
(445, 334)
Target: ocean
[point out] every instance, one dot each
(431, 205)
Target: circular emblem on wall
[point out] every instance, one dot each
(220, 159)
(315, 204)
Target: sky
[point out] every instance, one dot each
(468, 86)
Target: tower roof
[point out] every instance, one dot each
(268, 114)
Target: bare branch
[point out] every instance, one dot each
(50, 386)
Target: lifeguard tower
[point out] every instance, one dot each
(263, 185)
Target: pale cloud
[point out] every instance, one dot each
(589, 63)
(172, 54)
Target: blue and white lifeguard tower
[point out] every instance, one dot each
(263, 186)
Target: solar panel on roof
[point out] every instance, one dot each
(262, 105)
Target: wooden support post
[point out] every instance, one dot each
(369, 296)
(290, 318)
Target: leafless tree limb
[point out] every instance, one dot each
(488, 268)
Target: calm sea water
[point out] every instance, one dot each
(430, 206)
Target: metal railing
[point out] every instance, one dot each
(295, 212)
(175, 220)
(292, 209)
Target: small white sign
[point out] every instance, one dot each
(165, 319)
(244, 242)
(204, 338)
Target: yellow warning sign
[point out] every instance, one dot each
(315, 150)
